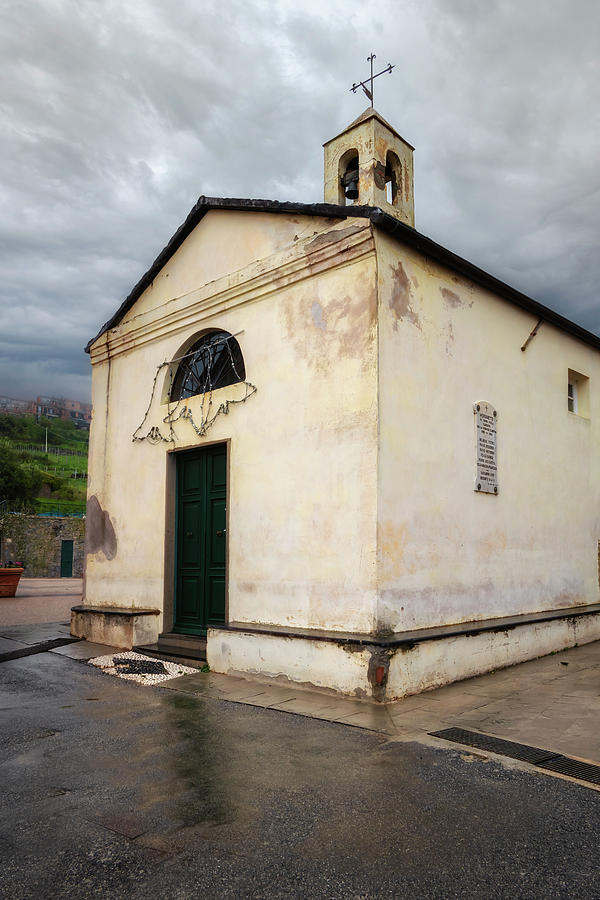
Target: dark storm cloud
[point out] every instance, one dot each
(115, 117)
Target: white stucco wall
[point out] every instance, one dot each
(302, 449)
(296, 659)
(434, 663)
(446, 553)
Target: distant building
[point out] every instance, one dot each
(50, 408)
(10, 406)
(61, 408)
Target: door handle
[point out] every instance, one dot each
(221, 533)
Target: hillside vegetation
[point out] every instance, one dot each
(36, 481)
(28, 430)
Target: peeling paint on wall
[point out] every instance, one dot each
(316, 312)
(451, 298)
(331, 237)
(342, 326)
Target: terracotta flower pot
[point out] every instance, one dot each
(9, 581)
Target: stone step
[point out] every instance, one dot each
(153, 651)
(178, 646)
(191, 643)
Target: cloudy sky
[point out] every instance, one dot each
(117, 116)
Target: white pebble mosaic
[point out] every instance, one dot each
(159, 669)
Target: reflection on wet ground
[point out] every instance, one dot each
(114, 790)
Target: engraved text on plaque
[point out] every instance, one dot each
(487, 469)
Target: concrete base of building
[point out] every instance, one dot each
(389, 668)
(115, 626)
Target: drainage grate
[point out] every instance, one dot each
(573, 767)
(495, 745)
(37, 648)
(543, 759)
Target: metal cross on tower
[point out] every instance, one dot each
(363, 84)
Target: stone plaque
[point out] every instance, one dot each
(486, 417)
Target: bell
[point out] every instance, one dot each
(351, 191)
(350, 184)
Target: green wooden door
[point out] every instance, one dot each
(200, 540)
(66, 559)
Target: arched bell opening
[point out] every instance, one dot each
(348, 171)
(393, 178)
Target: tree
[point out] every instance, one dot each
(18, 481)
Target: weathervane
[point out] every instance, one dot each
(363, 84)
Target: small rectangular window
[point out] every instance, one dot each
(578, 394)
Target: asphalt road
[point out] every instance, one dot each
(113, 790)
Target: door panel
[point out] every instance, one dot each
(216, 600)
(191, 531)
(66, 559)
(218, 471)
(200, 539)
(191, 592)
(192, 475)
(216, 532)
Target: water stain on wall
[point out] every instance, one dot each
(400, 299)
(392, 546)
(100, 534)
(449, 339)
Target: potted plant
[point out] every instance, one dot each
(10, 574)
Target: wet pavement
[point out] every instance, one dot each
(113, 790)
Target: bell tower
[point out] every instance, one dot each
(369, 164)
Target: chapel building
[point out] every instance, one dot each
(325, 448)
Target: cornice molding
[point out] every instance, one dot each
(337, 248)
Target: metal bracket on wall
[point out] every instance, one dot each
(532, 334)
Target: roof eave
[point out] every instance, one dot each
(380, 219)
(425, 245)
(198, 211)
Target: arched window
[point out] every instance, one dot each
(214, 361)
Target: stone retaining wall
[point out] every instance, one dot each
(37, 540)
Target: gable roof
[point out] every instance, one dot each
(404, 234)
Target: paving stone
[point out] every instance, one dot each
(194, 684)
(6, 645)
(84, 650)
(41, 600)
(403, 706)
(270, 697)
(307, 705)
(373, 719)
(241, 693)
(455, 704)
